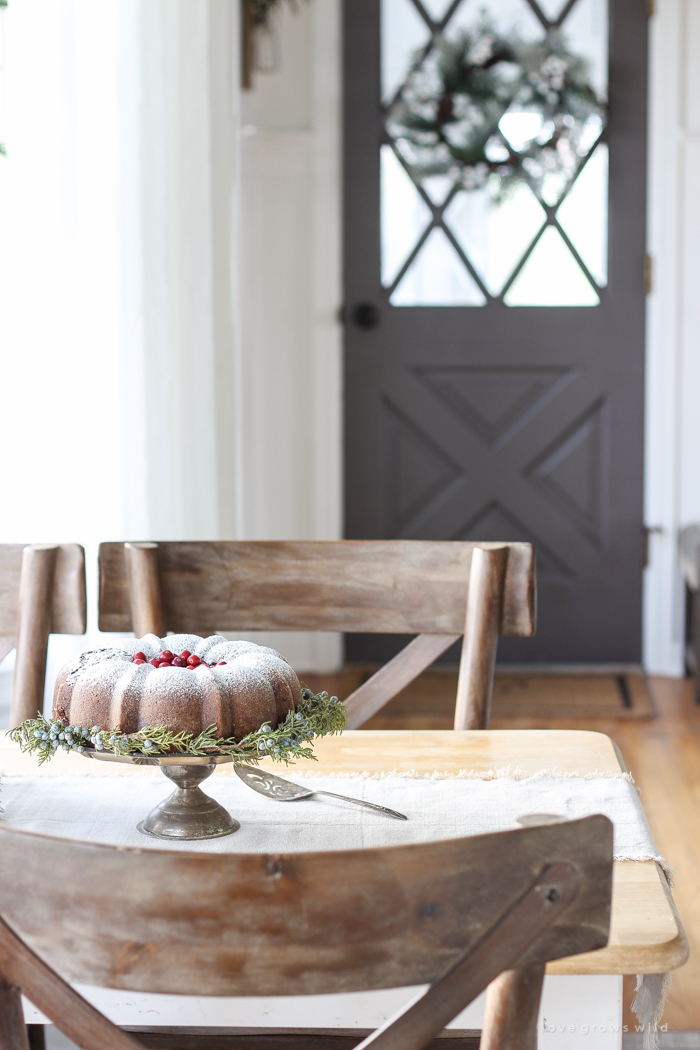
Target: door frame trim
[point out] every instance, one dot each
(672, 425)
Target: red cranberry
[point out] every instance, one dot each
(166, 655)
(155, 662)
(165, 663)
(221, 663)
(139, 656)
(179, 662)
(193, 661)
(185, 654)
(138, 661)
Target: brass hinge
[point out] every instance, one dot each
(651, 8)
(648, 274)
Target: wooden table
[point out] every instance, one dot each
(583, 994)
(646, 933)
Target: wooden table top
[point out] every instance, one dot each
(646, 934)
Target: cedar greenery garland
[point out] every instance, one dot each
(445, 119)
(317, 715)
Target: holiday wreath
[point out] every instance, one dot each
(447, 118)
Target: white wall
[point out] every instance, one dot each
(673, 318)
(289, 397)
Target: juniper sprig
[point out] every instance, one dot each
(316, 715)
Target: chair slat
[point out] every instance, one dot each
(397, 586)
(395, 676)
(300, 923)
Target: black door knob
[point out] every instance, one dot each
(366, 315)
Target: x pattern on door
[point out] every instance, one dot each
(438, 214)
(455, 468)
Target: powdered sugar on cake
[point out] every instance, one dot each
(183, 681)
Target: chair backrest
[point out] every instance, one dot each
(437, 590)
(42, 592)
(452, 914)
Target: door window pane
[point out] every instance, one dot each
(551, 277)
(493, 235)
(495, 116)
(404, 33)
(506, 17)
(437, 277)
(405, 215)
(586, 32)
(436, 8)
(584, 215)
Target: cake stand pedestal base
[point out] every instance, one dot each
(188, 813)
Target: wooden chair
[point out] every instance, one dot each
(459, 915)
(436, 590)
(42, 592)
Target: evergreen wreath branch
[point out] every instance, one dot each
(316, 715)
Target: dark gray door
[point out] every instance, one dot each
(494, 290)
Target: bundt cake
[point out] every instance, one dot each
(182, 682)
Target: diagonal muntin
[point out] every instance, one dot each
(563, 14)
(596, 287)
(465, 260)
(437, 27)
(417, 247)
(547, 24)
(437, 221)
(540, 16)
(523, 259)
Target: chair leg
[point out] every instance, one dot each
(696, 642)
(13, 1030)
(37, 1036)
(512, 1008)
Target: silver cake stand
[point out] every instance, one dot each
(188, 813)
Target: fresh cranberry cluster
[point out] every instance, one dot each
(186, 659)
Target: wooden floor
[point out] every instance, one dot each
(663, 754)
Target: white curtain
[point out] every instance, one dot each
(116, 320)
(115, 295)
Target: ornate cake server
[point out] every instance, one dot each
(285, 791)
